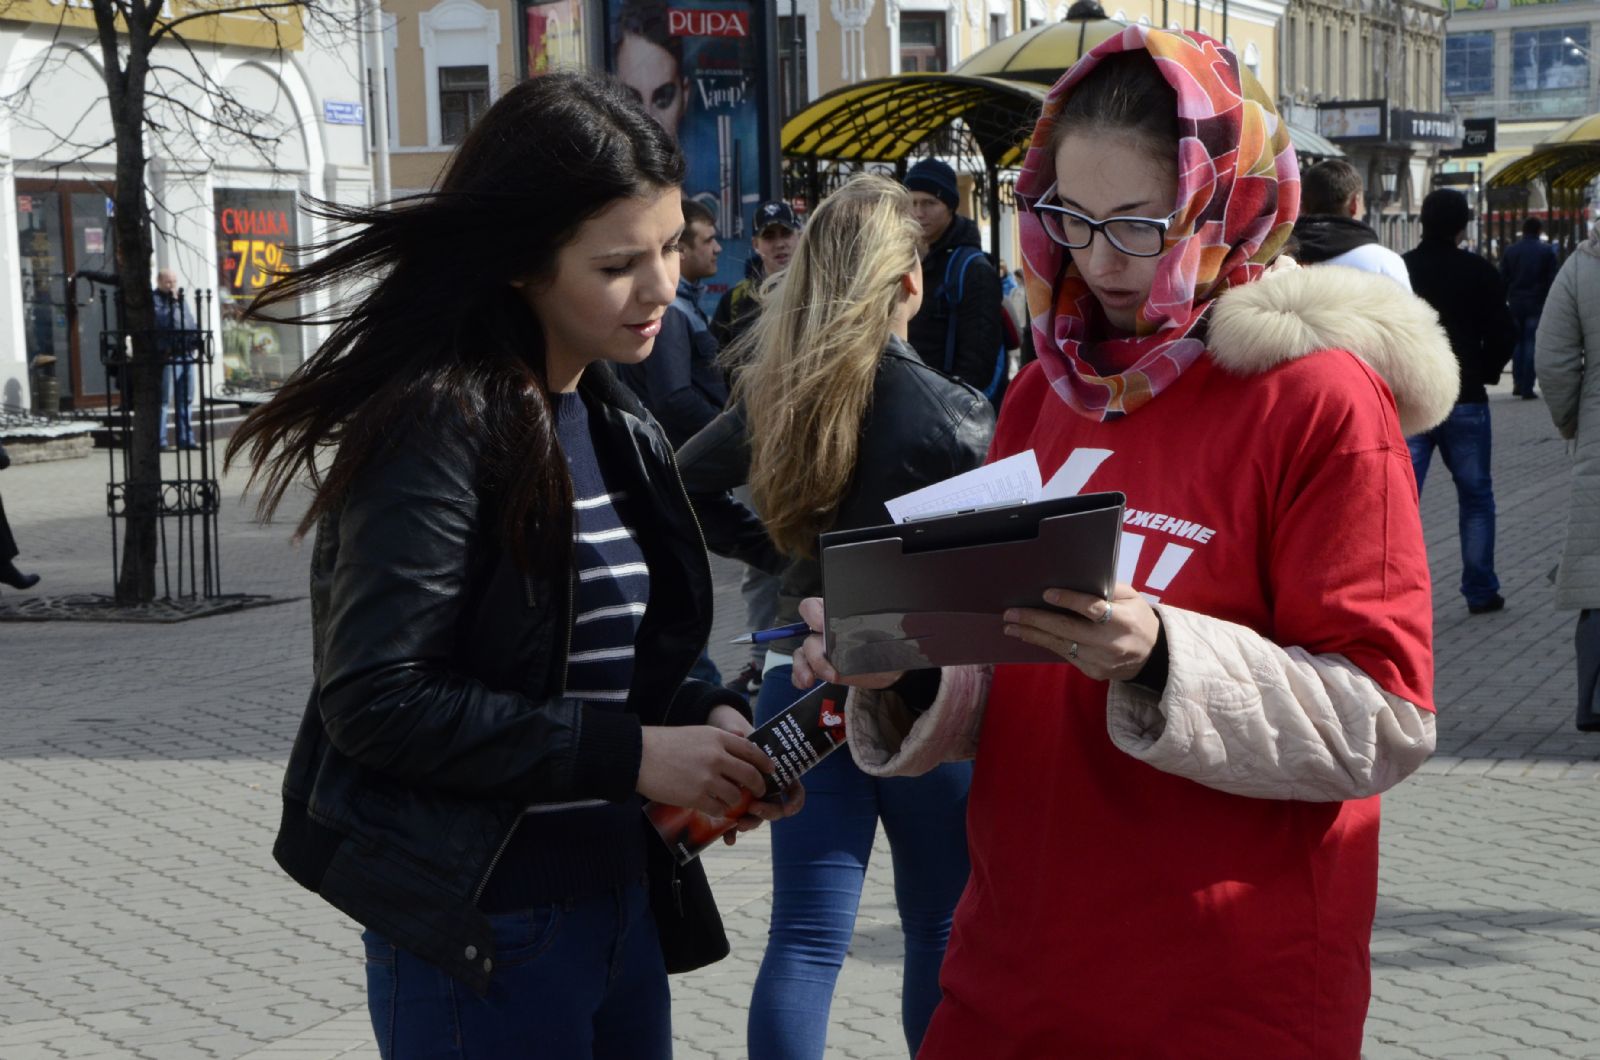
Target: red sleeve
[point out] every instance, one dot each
(1347, 565)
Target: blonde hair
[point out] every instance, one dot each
(811, 358)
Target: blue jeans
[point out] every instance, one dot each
(1463, 441)
(1522, 373)
(571, 979)
(819, 863)
(177, 386)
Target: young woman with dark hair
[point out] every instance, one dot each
(1174, 830)
(500, 649)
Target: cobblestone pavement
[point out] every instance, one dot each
(141, 915)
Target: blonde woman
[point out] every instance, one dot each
(833, 415)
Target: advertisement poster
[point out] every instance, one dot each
(555, 36)
(255, 230)
(697, 68)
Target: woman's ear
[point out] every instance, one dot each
(911, 283)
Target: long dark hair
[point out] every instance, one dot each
(438, 329)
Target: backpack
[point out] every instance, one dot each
(960, 258)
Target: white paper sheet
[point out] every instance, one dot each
(1014, 480)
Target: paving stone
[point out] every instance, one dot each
(142, 916)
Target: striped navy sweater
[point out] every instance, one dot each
(574, 850)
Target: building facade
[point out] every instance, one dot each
(227, 189)
(1368, 75)
(1528, 67)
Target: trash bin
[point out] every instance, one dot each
(46, 388)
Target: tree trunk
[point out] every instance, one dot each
(136, 581)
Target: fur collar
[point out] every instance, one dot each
(1293, 311)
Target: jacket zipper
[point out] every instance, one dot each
(572, 606)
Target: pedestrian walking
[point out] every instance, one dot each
(507, 591)
(9, 574)
(1330, 230)
(959, 329)
(1174, 832)
(176, 344)
(1528, 268)
(834, 414)
(1467, 293)
(1569, 332)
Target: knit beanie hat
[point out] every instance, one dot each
(935, 178)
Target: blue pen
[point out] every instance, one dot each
(765, 636)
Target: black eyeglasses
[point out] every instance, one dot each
(1139, 237)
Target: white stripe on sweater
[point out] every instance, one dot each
(615, 611)
(622, 570)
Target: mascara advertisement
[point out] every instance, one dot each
(796, 740)
(697, 69)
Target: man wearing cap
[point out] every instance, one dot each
(680, 382)
(958, 329)
(777, 231)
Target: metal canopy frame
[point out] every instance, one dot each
(888, 119)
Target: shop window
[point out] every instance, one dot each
(255, 233)
(1541, 59)
(463, 95)
(922, 42)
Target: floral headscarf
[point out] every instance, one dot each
(1238, 195)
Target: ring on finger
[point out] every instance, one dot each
(1105, 616)
(1072, 650)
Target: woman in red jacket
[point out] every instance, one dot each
(1174, 831)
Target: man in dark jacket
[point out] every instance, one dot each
(680, 382)
(958, 329)
(1329, 231)
(1467, 293)
(177, 378)
(777, 234)
(1528, 268)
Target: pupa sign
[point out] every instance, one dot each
(698, 22)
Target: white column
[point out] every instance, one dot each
(15, 394)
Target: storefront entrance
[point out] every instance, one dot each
(64, 231)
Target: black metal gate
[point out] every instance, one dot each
(189, 497)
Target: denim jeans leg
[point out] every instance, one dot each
(819, 863)
(1522, 369)
(925, 819)
(1421, 447)
(183, 394)
(1465, 445)
(166, 404)
(634, 1021)
(558, 969)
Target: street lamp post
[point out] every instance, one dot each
(794, 58)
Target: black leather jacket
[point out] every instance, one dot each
(921, 426)
(436, 716)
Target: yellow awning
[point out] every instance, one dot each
(1039, 55)
(1579, 130)
(1568, 160)
(884, 119)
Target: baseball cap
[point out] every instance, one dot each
(776, 212)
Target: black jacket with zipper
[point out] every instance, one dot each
(921, 426)
(436, 714)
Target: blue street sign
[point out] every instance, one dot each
(335, 112)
